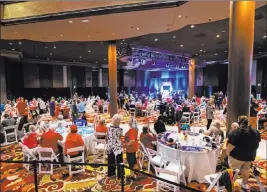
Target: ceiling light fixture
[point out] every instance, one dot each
(156, 40)
(13, 49)
(264, 36)
(179, 16)
(80, 57)
(46, 47)
(181, 45)
(10, 43)
(200, 50)
(218, 36)
(225, 51)
(113, 33)
(47, 58)
(137, 28)
(89, 36)
(61, 35)
(51, 54)
(123, 40)
(174, 37)
(89, 51)
(96, 62)
(105, 59)
(216, 54)
(70, 21)
(192, 26)
(85, 20)
(20, 43)
(54, 47)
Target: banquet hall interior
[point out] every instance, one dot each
(138, 95)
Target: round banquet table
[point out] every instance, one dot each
(197, 163)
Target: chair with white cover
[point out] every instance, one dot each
(100, 135)
(10, 134)
(105, 109)
(47, 154)
(100, 147)
(96, 108)
(187, 116)
(213, 180)
(132, 112)
(142, 154)
(196, 117)
(154, 158)
(167, 175)
(27, 155)
(78, 158)
(175, 166)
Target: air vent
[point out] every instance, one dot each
(221, 42)
(259, 16)
(200, 35)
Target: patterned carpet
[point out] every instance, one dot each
(14, 177)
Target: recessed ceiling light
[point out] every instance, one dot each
(46, 47)
(225, 51)
(223, 31)
(264, 36)
(20, 43)
(105, 59)
(121, 43)
(200, 50)
(73, 60)
(101, 42)
(216, 54)
(47, 58)
(218, 36)
(51, 54)
(204, 51)
(54, 47)
(174, 37)
(123, 40)
(210, 19)
(80, 56)
(202, 45)
(196, 53)
(156, 40)
(137, 28)
(192, 26)
(89, 36)
(89, 51)
(179, 16)
(181, 45)
(96, 62)
(113, 33)
(36, 56)
(133, 48)
(70, 21)
(85, 20)
(13, 49)
(259, 52)
(10, 43)
(61, 35)
(204, 60)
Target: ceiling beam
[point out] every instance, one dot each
(94, 12)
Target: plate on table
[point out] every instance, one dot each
(192, 148)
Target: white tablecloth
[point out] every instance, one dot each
(198, 164)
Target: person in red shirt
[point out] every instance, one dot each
(101, 127)
(74, 140)
(132, 145)
(50, 138)
(146, 137)
(31, 140)
(21, 106)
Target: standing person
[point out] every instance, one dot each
(254, 109)
(52, 106)
(243, 143)
(131, 143)
(114, 146)
(209, 114)
(74, 111)
(21, 106)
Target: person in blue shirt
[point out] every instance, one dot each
(80, 121)
(184, 126)
(81, 107)
(2, 107)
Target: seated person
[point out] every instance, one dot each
(80, 121)
(73, 140)
(184, 126)
(101, 128)
(147, 137)
(8, 121)
(159, 126)
(61, 122)
(2, 136)
(50, 138)
(215, 131)
(30, 140)
(66, 112)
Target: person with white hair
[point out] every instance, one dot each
(30, 140)
(215, 131)
(114, 145)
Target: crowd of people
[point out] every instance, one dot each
(37, 121)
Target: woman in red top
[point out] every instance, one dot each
(31, 140)
(57, 110)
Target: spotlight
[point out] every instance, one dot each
(192, 26)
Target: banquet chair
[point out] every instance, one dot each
(213, 180)
(196, 117)
(142, 154)
(99, 149)
(78, 158)
(187, 116)
(167, 175)
(10, 134)
(47, 154)
(175, 166)
(132, 112)
(27, 155)
(100, 135)
(96, 108)
(105, 109)
(154, 158)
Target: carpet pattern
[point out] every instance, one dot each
(15, 178)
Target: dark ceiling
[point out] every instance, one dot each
(201, 41)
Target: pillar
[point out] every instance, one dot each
(100, 78)
(191, 78)
(3, 93)
(112, 69)
(241, 38)
(65, 76)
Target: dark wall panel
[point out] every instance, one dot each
(129, 78)
(57, 76)
(95, 74)
(31, 76)
(105, 78)
(46, 76)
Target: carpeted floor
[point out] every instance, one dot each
(14, 177)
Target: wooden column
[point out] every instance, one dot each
(191, 78)
(112, 69)
(241, 39)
